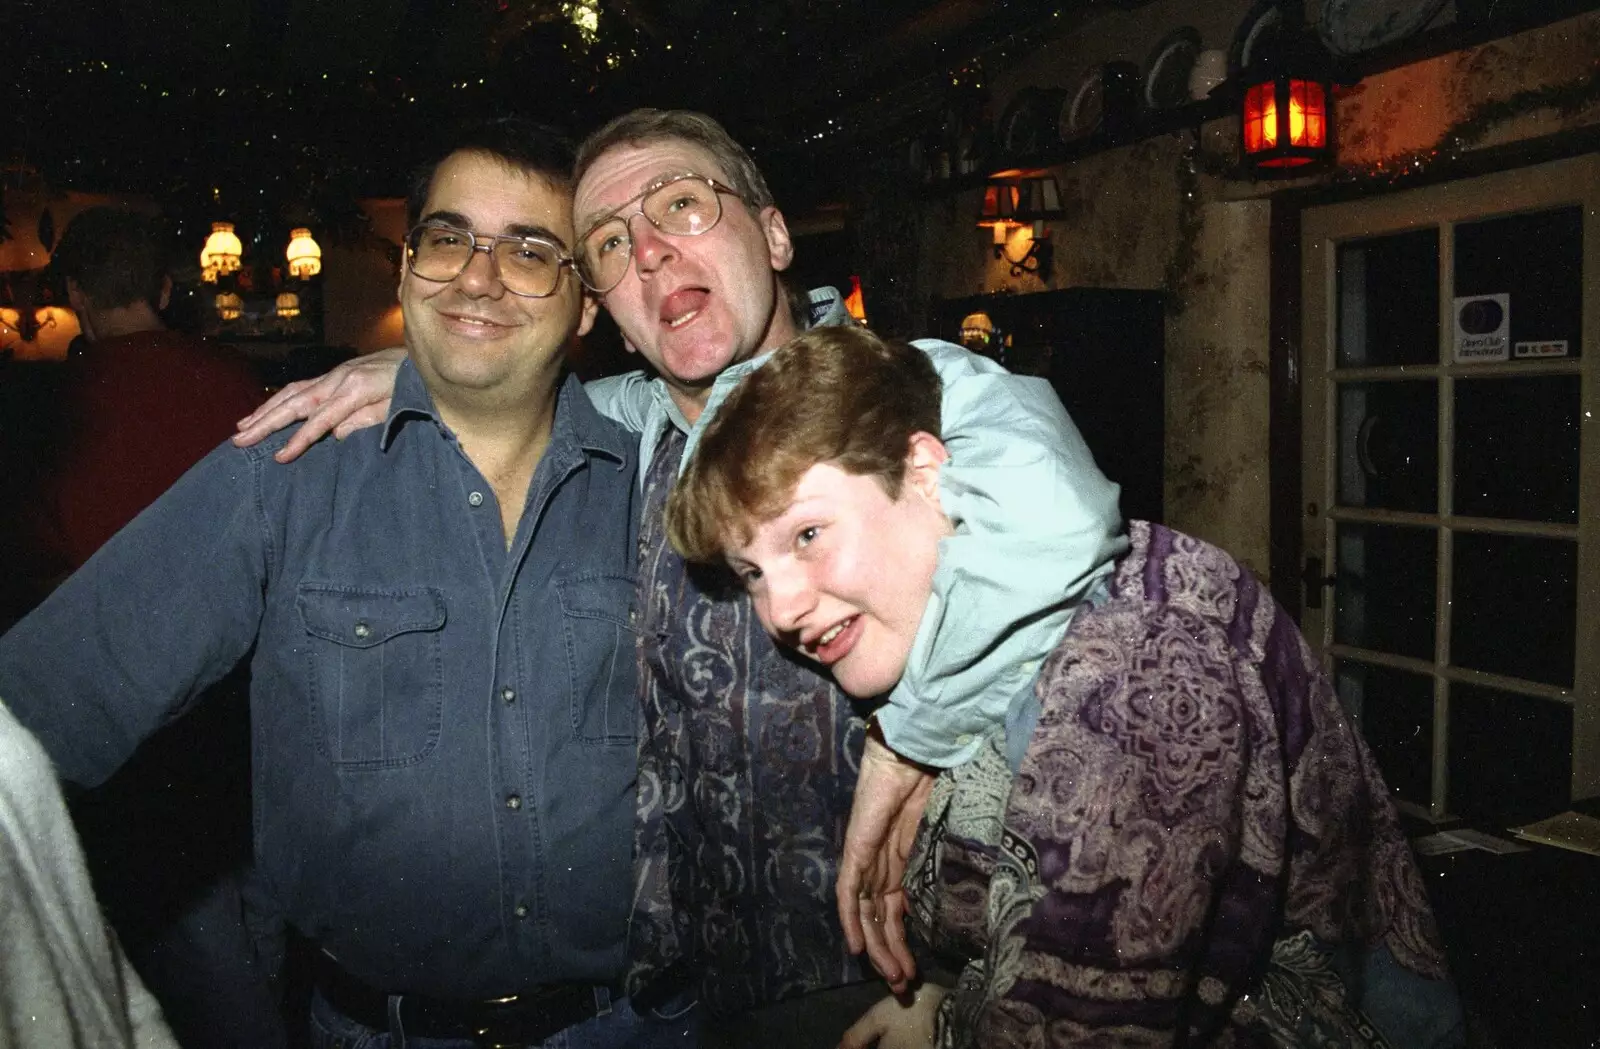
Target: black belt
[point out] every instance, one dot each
(527, 1018)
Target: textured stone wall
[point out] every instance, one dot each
(1151, 216)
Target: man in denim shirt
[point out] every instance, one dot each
(443, 698)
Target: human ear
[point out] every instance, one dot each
(925, 457)
(76, 299)
(780, 248)
(590, 308)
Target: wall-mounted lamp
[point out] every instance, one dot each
(304, 254)
(1034, 200)
(26, 325)
(1286, 122)
(222, 252)
(287, 304)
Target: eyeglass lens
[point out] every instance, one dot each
(526, 266)
(685, 207)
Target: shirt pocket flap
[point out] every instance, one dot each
(598, 596)
(363, 618)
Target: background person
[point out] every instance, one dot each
(168, 837)
(64, 982)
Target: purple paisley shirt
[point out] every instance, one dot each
(1197, 850)
(747, 767)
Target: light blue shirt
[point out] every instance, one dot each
(1036, 528)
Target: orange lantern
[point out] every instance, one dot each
(1287, 125)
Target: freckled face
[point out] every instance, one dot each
(844, 574)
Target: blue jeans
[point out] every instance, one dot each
(675, 1025)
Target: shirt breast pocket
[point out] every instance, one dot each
(376, 672)
(598, 619)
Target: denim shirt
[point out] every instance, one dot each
(443, 728)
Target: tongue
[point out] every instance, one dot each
(682, 302)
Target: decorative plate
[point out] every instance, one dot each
(1255, 35)
(1104, 103)
(1165, 77)
(1350, 27)
(1025, 125)
(1084, 107)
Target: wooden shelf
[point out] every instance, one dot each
(1508, 20)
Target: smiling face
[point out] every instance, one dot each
(469, 337)
(843, 575)
(692, 305)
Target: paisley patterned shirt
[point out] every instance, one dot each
(747, 766)
(1197, 850)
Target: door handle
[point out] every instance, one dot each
(1313, 580)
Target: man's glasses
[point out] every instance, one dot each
(683, 205)
(527, 266)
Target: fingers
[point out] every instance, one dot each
(352, 395)
(848, 896)
(894, 937)
(865, 1032)
(282, 408)
(885, 935)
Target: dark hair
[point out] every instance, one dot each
(838, 395)
(644, 126)
(520, 144)
(118, 257)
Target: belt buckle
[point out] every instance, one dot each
(515, 1021)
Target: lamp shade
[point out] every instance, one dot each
(304, 255)
(222, 252)
(288, 304)
(1039, 198)
(999, 204)
(977, 331)
(229, 305)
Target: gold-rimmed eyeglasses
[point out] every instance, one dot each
(527, 266)
(684, 205)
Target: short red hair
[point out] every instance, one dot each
(838, 395)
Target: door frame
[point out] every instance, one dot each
(1310, 252)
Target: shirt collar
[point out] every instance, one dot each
(577, 422)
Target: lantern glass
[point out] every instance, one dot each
(1308, 114)
(1261, 117)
